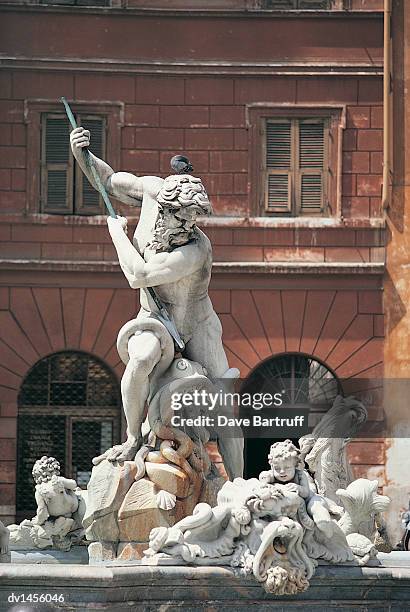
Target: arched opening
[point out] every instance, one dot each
(303, 381)
(69, 408)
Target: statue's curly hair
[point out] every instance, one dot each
(184, 197)
(45, 468)
(283, 450)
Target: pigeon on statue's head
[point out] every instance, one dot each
(181, 164)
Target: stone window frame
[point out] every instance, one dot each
(34, 109)
(256, 116)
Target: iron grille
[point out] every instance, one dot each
(38, 435)
(302, 380)
(69, 408)
(69, 379)
(305, 382)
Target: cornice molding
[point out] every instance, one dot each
(231, 267)
(238, 13)
(302, 68)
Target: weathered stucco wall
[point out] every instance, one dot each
(397, 281)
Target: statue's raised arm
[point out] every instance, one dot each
(123, 186)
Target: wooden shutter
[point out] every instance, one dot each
(314, 4)
(78, 2)
(312, 137)
(279, 4)
(92, 2)
(87, 199)
(56, 165)
(296, 4)
(278, 166)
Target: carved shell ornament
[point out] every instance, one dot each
(165, 500)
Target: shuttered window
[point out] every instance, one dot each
(78, 2)
(297, 4)
(64, 188)
(295, 166)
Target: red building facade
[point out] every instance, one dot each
(294, 274)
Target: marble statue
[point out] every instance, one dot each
(324, 448)
(284, 459)
(60, 508)
(4, 543)
(158, 497)
(171, 473)
(324, 451)
(169, 259)
(277, 528)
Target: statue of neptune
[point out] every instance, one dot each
(171, 254)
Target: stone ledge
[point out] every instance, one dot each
(134, 586)
(213, 221)
(231, 267)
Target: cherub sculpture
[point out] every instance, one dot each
(276, 528)
(59, 510)
(286, 468)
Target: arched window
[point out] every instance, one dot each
(303, 381)
(70, 408)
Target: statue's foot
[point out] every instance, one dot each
(124, 452)
(120, 452)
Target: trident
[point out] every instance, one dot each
(162, 314)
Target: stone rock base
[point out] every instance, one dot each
(131, 551)
(122, 511)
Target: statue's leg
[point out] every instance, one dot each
(231, 450)
(144, 353)
(316, 507)
(206, 348)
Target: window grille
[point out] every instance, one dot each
(295, 166)
(303, 381)
(64, 188)
(69, 408)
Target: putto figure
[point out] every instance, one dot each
(172, 255)
(260, 527)
(55, 497)
(60, 507)
(287, 469)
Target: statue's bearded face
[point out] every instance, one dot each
(181, 200)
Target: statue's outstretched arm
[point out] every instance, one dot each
(123, 186)
(68, 483)
(42, 513)
(162, 268)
